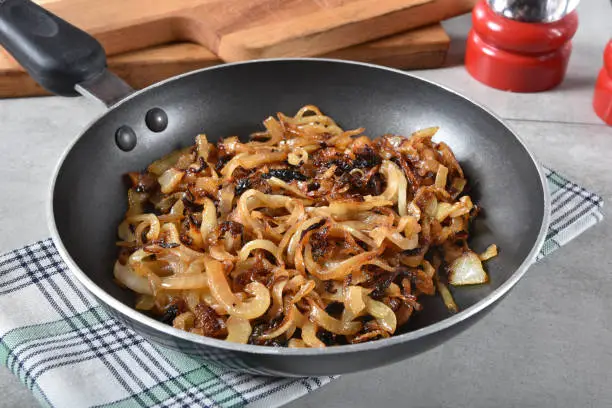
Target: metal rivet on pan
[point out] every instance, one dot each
(156, 120)
(125, 137)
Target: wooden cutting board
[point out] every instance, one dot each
(420, 48)
(247, 29)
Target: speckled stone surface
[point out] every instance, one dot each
(546, 345)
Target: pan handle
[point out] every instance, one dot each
(60, 57)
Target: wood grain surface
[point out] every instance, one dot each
(416, 49)
(247, 29)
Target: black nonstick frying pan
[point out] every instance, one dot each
(88, 197)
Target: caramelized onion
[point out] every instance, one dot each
(226, 199)
(219, 253)
(356, 233)
(186, 281)
(170, 180)
(145, 302)
(149, 221)
(345, 208)
(158, 167)
(128, 278)
(370, 336)
(309, 335)
(250, 161)
(203, 147)
(383, 314)
(443, 211)
(353, 299)
(441, 176)
(306, 228)
(462, 207)
(277, 299)
(286, 323)
(276, 182)
(238, 330)
(209, 218)
(184, 321)
(467, 270)
(297, 235)
(381, 233)
(296, 343)
(258, 244)
(392, 174)
(447, 297)
(332, 324)
(219, 288)
(297, 157)
(344, 268)
(305, 289)
(490, 252)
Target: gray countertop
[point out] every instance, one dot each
(546, 345)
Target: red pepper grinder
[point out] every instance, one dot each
(521, 45)
(602, 99)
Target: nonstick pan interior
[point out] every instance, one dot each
(89, 195)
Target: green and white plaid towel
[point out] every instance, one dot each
(70, 353)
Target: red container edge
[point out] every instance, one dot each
(602, 98)
(517, 56)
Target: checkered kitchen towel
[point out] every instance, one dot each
(70, 353)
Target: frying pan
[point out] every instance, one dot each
(88, 197)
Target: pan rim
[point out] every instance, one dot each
(131, 313)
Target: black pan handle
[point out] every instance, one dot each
(56, 54)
